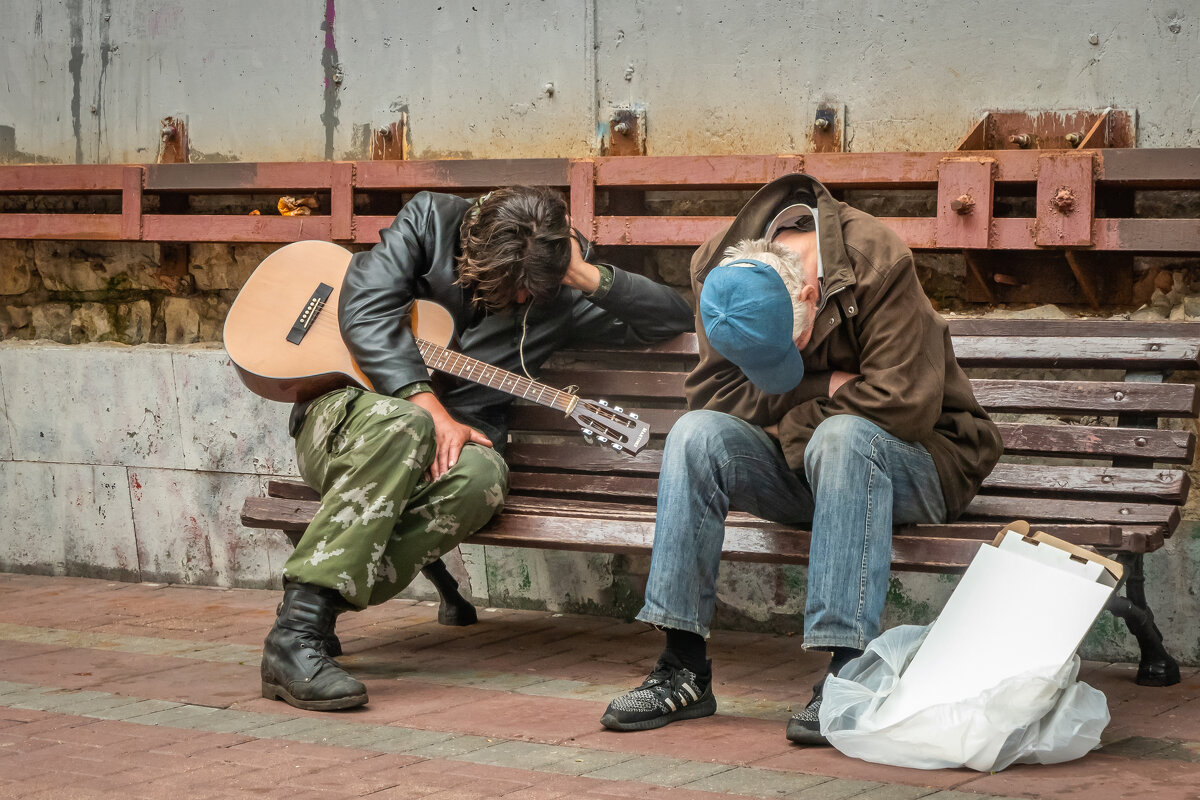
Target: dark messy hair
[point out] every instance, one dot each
(514, 238)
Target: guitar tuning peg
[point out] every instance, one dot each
(633, 416)
(603, 402)
(618, 409)
(617, 446)
(602, 440)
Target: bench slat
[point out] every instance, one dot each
(1051, 343)
(1101, 482)
(1176, 447)
(1104, 398)
(773, 544)
(999, 508)
(1083, 352)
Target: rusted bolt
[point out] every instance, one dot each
(1140, 441)
(548, 90)
(622, 128)
(820, 123)
(1074, 139)
(386, 133)
(1063, 201)
(963, 204)
(169, 131)
(1021, 140)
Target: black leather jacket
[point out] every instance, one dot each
(415, 259)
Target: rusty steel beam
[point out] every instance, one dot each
(98, 227)
(290, 177)
(694, 171)
(464, 174)
(342, 201)
(583, 197)
(131, 203)
(57, 178)
(232, 228)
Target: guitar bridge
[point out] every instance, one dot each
(311, 309)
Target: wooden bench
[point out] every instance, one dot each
(1078, 402)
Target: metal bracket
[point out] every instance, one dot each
(390, 142)
(174, 137)
(626, 134)
(1066, 200)
(1051, 130)
(828, 133)
(964, 205)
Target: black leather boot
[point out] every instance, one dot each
(296, 667)
(333, 645)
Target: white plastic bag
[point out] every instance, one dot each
(1036, 718)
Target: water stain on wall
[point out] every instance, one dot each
(333, 78)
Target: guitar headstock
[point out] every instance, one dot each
(610, 426)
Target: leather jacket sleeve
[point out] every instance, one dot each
(635, 310)
(380, 286)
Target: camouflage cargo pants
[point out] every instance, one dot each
(379, 520)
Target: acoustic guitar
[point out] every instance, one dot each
(283, 337)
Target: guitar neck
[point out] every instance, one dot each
(452, 363)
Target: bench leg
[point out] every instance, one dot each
(1157, 668)
(454, 609)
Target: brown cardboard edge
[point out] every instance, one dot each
(1022, 527)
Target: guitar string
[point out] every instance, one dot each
(329, 326)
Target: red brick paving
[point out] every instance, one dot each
(48, 754)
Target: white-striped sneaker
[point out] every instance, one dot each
(670, 693)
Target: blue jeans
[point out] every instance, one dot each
(858, 482)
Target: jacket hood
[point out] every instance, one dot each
(751, 222)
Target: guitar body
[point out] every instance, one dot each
(315, 360)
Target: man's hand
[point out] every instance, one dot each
(580, 274)
(451, 435)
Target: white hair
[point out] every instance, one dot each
(784, 261)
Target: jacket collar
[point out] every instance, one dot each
(754, 217)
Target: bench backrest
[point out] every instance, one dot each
(1078, 404)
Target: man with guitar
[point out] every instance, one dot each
(410, 469)
(827, 395)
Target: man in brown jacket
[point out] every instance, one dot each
(827, 395)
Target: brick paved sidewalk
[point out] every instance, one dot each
(149, 691)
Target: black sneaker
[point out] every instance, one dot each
(671, 692)
(805, 726)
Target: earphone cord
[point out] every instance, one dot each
(521, 346)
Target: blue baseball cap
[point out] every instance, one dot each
(747, 316)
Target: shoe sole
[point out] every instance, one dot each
(690, 712)
(273, 692)
(805, 736)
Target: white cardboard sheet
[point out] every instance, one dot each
(1018, 607)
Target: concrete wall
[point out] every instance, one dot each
(88, 82)
(131, 463)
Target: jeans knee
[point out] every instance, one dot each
(699, 433)
(838, 436)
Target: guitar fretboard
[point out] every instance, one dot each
(448, 361)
